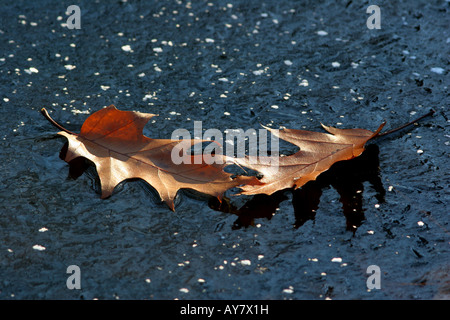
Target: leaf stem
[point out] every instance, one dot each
(53, 122)
(407, 124)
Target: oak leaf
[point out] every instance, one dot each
(113, 140)
(318, 152)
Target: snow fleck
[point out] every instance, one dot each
(148, 97)
(104, 88)
(140, 75)
(335, 64)
(258, 72)
(43, 229)
(157, 49)
(322, 33)
(420, 223)
(5, 99)
(336, 259)
(69, 67)
(274, 106)
(184, 290)
(148, 280)
(419, 151)
(127, 48)
(246, 262)
(437, 70)
(289, 290)
(304, 83)
(223, 79)
(209, 40)
(288, 62)
(38, 247)
(31, 70)
(157, 69)
(226, 113)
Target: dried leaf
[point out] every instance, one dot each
(318, 151)
(113, 140)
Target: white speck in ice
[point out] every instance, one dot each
(354, 65)
(147, 97)
(184, 290)
(260, 256)
(274, 106)
(264, 15)
(337, 259)
(420, 223)
(140, 75)
(304, 83)
(31, 70)
(75, 111)
(288, 62)
(158, 49)
(246, 262)
(289, 290)
(419, 151)
(104, 87)
(209, 40)
(223, 95)
(226, 113)
(322, 33)
(43, 229)
(335, 64)
(5, 99)
(158, 69)
(69, 67)
(223, 79)
(275, 21)
(127, 48)
(148, 280)
(258, 72)
(38, 247)
(437, 70)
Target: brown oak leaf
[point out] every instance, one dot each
(318, 151)
(113, 140)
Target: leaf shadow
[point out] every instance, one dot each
(346, 177)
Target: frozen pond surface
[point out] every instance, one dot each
(230, 64)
